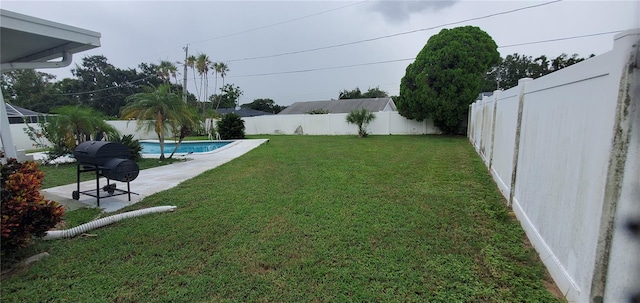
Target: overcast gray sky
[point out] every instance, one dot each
(232, 31)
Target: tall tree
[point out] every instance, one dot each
(103, 86)
(191, 62)
(222, 69)
(447, 76)
(350, 94)
(229, 96)
(167, 70)
(514, 67)
(202, 66)
(159, 109)
(265, 105)
(375, 92)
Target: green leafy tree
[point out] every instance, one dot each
(265, 105)
(514, 67)
(34, 90)
(25, 87)
(447, 76)
(102, 86)
(231, 126)
(159, 109)
(361, 118)
(229, 96)
(375, 92)
(350, 94)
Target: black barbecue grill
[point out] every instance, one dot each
(107, 159)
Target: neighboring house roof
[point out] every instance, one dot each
(17, 114)
(17, 111)
(341, 106)
(242, 112)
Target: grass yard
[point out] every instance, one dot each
(307, 219)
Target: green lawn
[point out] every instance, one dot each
(307, 219)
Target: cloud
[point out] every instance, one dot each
(398, 11)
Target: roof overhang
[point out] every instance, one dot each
(28, 42)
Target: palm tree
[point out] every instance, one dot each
(222, 69)
(191, 62)
(184, 126)
(202, 65)
(166, 70)
(216, 69)
(159, 109)
(80, 123)
(360, 117)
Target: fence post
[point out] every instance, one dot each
(495, 96)
(516, 149)
(623, 130)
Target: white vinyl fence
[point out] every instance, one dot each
(385, 123)
(564, 150)
(22, 141)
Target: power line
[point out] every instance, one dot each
(267, 26)
(323, 68)
(352, 65)
(104, 89)
(399, 60)
(559, 39)
(282, 22)
(397, 34)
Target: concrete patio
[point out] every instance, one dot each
(153, 180)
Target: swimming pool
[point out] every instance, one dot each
(186, 147)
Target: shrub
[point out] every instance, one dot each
(25, 212)
(133, 145)
(231, 126)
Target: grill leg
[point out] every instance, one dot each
(98, 184)
(78, 177)
(129, 190)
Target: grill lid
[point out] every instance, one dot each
(99, 152)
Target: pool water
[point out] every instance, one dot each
(185, 147)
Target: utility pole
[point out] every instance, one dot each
(184, 80)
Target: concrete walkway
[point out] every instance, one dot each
(153, 180)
